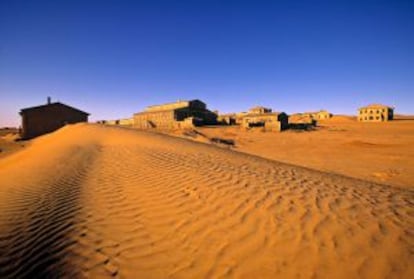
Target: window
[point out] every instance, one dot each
(371, 118)
(378, 118)
(370, 111)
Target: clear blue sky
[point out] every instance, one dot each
(113, 58)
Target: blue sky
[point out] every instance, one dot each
(113, 58)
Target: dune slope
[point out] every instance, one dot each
(90, 201)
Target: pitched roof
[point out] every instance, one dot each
(49, 105)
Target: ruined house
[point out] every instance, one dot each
(264, 117)
(375, 113)
(259, 110)
(227, 119)
(180, 114)
(320, 115)
(125, 122)
(47, 118)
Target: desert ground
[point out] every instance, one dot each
(378, 152)
(95, 201)
(8, 143)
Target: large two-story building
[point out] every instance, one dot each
(375, 113)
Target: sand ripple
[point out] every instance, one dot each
(90, 201)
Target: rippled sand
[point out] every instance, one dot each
(90, 201)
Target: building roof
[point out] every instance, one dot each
(375, 106)
(22, 111)
(259, 107)
(263, 114)
(314, 112)
(178, 104)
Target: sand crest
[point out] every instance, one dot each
(91, 201)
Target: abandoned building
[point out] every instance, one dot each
(320, 115)
(301, 118)
(264, 117)
(180, 114)
(47, 118)
(259, 110)
(375, 113)
(125, 122)
(227, 119)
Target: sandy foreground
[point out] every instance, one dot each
(91, 201)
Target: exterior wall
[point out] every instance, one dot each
(195, 104)
(270, 121)
(227, 119)
(39, 121)
(159, 119)
(273, 126)
(322, 115)
(375, 114)
(120, 122)
(126, 122)
(260, 110)
(175, 115)
(301, 118)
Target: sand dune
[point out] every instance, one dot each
(90, 201)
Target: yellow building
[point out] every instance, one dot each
(375, 113)
(322, 114)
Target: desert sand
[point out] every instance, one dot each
(9, 143)
(94, 201)
(378, 152)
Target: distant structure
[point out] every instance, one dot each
(375, 113)
(259, 110)
(125, 122)
(308, 118)
(301, 118)
(264, 117)
(320, 115)
(227, 119)
(180, 114)
(43, 119)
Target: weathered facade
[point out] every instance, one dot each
(43, 119)
(125, 122)
(322, 114)
(180, 114)
(227, 119)
(259, 110)
(271, 121)
(375, 113)
(301, 118)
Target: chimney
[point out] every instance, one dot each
(48, 100)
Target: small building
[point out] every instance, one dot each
(125, 122)
(321, 115)
(227, 119)
(181, 114)
(301, 118)
(375, 113)
(259, 110)
(264, 117)
(39, 120)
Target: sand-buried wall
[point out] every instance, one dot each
(156, 206)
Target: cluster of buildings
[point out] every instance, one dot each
(46, 118)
